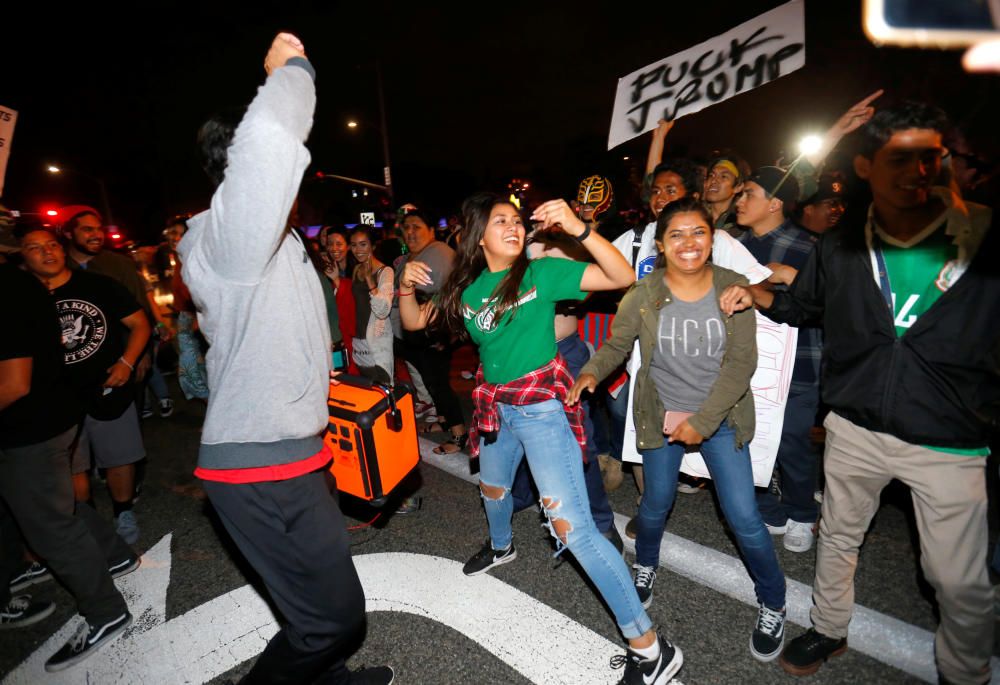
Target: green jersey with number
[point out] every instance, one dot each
(919, 273)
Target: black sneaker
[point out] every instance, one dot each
(86, 641)
(32, 573)
(768, 634)
(372, 675)
(487, 558)
(806, 653)
(615, 539)
(645, 576)
(124, 567)
(21, 611)
(658, 671)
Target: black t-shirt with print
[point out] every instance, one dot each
(31, 330)
(90, 309)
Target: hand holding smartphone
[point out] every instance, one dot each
(672, 419)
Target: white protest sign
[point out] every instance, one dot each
(770, 382)
(367, 218)
(756, 52)
(8, 118)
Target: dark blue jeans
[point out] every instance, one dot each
(733, 476)
(797, 463)
(576, 353)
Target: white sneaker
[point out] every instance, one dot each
(777, 530)
(799, 537)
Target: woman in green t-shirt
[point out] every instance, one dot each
(506, 304)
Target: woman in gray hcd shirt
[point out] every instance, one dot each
(693, 387)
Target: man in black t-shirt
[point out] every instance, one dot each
(104, 333)
(38, 418)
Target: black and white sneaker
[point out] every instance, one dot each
(31, 574)
(124, 567)
(86, 641)
(645, 576)
(21, 611)
(768, 634)
(642, 671)
(486, 558)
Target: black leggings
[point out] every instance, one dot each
(433, 361)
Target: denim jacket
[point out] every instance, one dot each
(730, 398)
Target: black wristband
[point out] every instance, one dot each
(583, 236)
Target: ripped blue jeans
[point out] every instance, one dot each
(542, 432)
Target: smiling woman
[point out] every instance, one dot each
(506, 305)
(372, 287)
(694, 390)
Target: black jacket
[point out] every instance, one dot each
(939, 383)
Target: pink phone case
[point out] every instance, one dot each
(672, 419)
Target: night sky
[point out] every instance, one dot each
(472, 98)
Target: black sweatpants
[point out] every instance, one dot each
(294, 536)
(73, 540)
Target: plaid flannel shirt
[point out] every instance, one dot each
(549, 382)
(791, 245)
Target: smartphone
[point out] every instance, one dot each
(338, 359)
(931, 24)
(672, 419)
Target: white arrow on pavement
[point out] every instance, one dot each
(226, 631)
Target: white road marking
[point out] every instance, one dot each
(882, 637)
(221, 634)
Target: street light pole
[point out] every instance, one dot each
(106, 205)
(385, 135)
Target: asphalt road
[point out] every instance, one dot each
(436, 628)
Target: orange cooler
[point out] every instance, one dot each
(372, 435)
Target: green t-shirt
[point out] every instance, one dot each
(525, 338)
(918, 276)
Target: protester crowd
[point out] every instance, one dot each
(881, 264)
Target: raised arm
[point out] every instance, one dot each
(265, 163)
(611, 272)
(854, 118)
(655, 155)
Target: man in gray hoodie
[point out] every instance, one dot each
(261, 307)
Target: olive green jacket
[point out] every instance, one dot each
(729, 399)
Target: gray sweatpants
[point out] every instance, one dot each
(76, 543)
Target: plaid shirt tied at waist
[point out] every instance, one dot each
(549, 382)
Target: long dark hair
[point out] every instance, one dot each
(689, 204)
(350, 261)
(470, 262)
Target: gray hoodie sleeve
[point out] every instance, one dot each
(249, 211)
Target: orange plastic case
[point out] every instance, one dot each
(372, 435)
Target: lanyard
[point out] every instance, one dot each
(883, 272)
